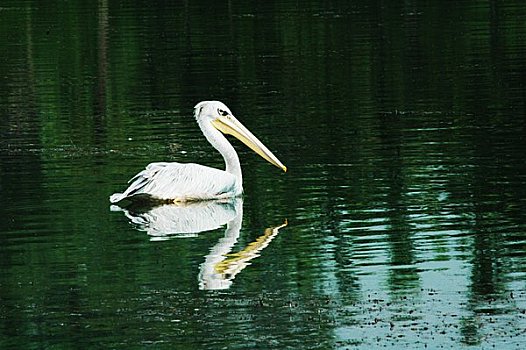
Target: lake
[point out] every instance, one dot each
(400, 223)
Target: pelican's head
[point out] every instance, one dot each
(221, 118)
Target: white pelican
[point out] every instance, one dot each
(179, 182)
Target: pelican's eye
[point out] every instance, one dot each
(222, 112)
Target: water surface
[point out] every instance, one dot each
(400, 223)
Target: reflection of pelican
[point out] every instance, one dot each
(191, 182)
(220, 268)
(183, 219)
(186, 219)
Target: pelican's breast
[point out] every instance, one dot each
(183, 182)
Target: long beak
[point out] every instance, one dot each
(231, 126)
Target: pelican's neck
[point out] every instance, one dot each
(220, 143)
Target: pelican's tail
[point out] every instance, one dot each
(117, 197)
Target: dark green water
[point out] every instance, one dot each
(403, 128)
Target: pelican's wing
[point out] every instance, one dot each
(181, 182)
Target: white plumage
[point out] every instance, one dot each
(181, 182)
(193, 182)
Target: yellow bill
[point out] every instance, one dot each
(231, 126)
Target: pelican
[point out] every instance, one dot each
(180, 182)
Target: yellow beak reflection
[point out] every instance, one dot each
(231, 126)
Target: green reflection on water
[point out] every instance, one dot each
(403, 128)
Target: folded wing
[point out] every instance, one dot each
(180, 182)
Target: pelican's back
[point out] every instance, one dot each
(181, 182)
